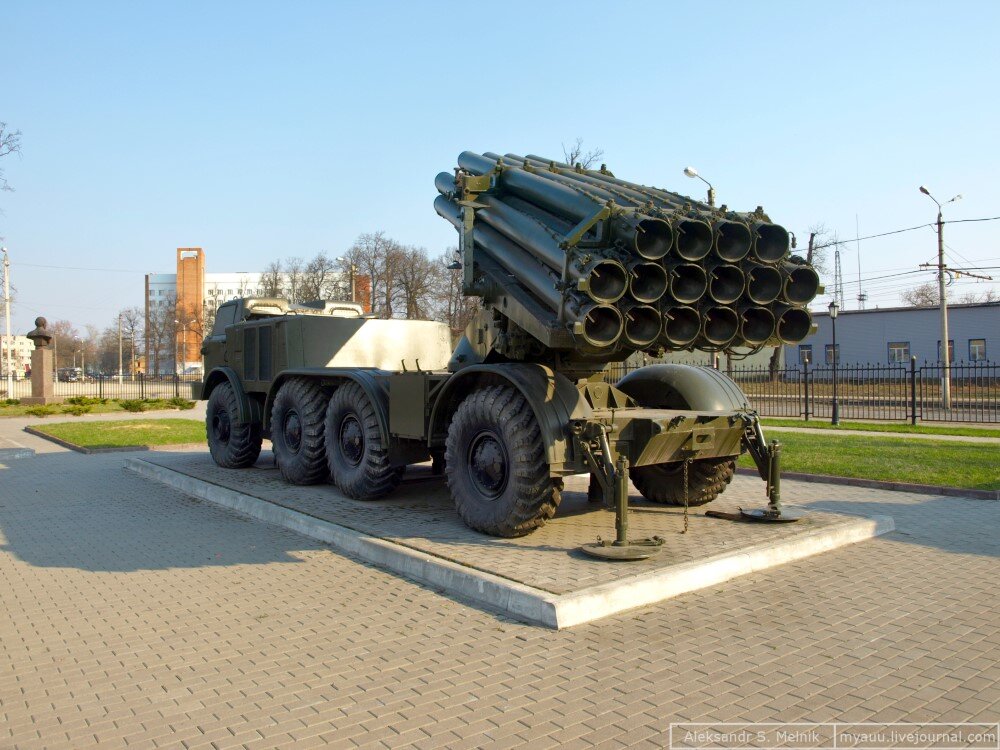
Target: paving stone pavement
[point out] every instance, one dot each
(421, 515)
(136, 617)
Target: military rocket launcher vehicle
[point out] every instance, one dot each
(575, 269)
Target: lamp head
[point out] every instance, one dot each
(834, 309)
(690, 171)
(924, 190)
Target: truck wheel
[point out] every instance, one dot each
(233, 444)
(495, 464)
(664, 483)
(357, 459)
(297, 431)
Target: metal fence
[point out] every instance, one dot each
(112, 387)
(884, 393)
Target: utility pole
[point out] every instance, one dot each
(6, 313)
(945, 354)
(119, 348)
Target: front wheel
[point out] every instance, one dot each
(664, 483)
(496, 466)
(232, 443)
(357, 458)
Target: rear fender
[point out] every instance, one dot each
(674, 386)
(552, 397)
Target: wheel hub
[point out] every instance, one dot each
(292, 431)
(221, 427)
(352, 440)
(488, 464)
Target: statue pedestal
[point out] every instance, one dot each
(42, 387)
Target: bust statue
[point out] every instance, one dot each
(39, 335)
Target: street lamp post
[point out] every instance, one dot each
(692, 172)
(945, 354)
(835, 412)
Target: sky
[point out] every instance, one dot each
(261, 131)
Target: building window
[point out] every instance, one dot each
(899, 352)
(830, 355)
(951, 350)
(977, 350)
(805, 354)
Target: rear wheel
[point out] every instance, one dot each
(233, 444)
(496, 466)
(357, 458)
(297, 431)
(664, 483)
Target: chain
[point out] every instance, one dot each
(686, 464)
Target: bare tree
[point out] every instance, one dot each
(271, 280)
(319, 278)
(416, 281)
(161, 330)
(64, 337)
(925, 295)
(576, 155)
(133, 330)
(10, 143)
(821, 240)
(988, 295)
(293, 279)
(453, 307)
(378, 257)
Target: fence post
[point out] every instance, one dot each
(100, 387)
(177, 386)
(913, 390)
(142, 386)
(805, 381)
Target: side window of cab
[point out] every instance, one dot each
(225, 316)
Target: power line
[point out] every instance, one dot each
(900, 231)
(80, 268)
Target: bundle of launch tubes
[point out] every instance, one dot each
(673, 273)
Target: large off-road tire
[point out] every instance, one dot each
(233, 444)
(355, 453)
(297, 431)
(496, 466)
(664, 483)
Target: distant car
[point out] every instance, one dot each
(70, 374)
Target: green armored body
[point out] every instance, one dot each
(575, 270)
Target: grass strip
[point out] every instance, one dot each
(920, 429)
(127, 433)
(944, 464)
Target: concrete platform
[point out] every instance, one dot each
(541, 578)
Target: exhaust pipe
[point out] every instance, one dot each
(688, 283)
(726, 283)
(763, 284)
(801, 283)
(720, 325)
(794, 324)
(770, 242)
(694, 239)
(756, 325)
(642, 324)
(732, 240)
(647, 281)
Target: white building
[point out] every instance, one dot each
(20, 359)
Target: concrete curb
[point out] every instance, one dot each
(877, 484)
(116, 449)
(513, 598)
